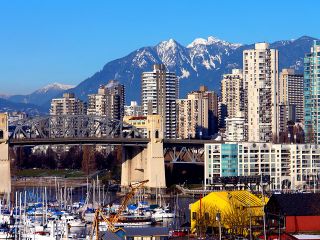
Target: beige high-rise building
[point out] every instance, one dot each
(232, 93)
(160, 90)
(291, 92)
(67, 105)
(193, 116)
(197, 115)
(108, 102)
(260, 73)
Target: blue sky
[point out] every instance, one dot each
(67, 41)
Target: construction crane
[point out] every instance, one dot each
(114, 218)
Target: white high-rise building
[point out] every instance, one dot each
(159, 94)
(260, 72)
(235, 129)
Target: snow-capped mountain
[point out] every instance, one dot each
(203, 61)
(54, 87)
(42, 95)
(213, 41)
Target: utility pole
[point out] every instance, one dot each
(250, 220)
(218, 218)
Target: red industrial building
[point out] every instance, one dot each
(294, 213)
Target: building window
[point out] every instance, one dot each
(1, 134)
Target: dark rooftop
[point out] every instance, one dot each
(298, 204)
(146, 231)
(137, 232)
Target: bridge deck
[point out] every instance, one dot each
(77, 141)
(101, 140)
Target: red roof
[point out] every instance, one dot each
(138, 118)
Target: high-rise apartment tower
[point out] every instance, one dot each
(160, 90)
(260, 72)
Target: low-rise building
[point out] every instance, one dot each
(290, 166)
(234, 211)
(16, 116)
(296, 213)
(133, 109)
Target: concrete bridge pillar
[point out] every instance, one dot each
(5, 175)
(146, 163)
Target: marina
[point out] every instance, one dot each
(66, 212)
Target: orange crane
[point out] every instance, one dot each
(114, 218)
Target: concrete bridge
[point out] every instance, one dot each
(143, 156)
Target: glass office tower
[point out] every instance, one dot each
(312, 94)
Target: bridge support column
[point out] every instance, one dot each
(155, 169)
(140, 163)
(133, 163)
(5, 175)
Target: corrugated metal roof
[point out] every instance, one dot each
(222, 201)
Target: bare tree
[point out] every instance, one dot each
(205, 218)
(88, 160)
(237, 218)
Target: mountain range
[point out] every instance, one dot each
(34, 103)
(201, 62)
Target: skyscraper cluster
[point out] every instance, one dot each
(279, 111)
(258, 103)
(261, 117)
